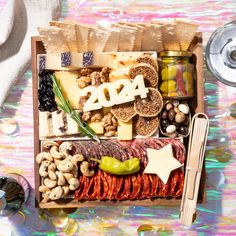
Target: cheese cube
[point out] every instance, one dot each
(70, 89)
(72, 126)
(125, 130)
(58, 123)
(97, 127)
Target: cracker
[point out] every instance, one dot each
(69, 31)
(146, 126)
(126, 38)
(149, 73)
(149, 60)
(97, 39)
(82, 37)
(124, 112)
(185, 33)
(112, 43)
(139, 35)
(169, 36)
(152, 38)
(53, 39)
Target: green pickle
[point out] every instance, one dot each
(176, 74)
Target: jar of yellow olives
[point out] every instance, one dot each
(176, 74)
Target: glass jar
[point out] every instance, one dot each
(176, 75)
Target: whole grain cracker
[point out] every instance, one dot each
(169, 36)
(185, 33)
(53, 39)
(69, 31)
(127, 37)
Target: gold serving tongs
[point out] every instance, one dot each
(195, 159)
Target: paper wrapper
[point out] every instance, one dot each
(152, 38)
(97, 39)
(69, 31)
(49, 36)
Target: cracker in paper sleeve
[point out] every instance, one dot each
(152, 38)
(69, 31)
(169, 36)
(126, 38)
(82, 37)
(53, 39)
(185, 33)
(97, 39)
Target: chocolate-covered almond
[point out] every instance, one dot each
(179, 117)
(164, 115)
(171, 114)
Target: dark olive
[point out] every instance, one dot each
(164, 115)
(171, 114)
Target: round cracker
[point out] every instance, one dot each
(149, 73)
(124, 112)
(148, 60)
(149, 106)
(146, 126)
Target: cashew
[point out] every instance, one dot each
(46, 196)
(52, 167)
(61, 179)
(55, 154)
(84, 168)
(50, 183)
(75, 170)
(43, 189)
(47, 144)
(68, 176)
(66, 190)
(43, 168)
(52, 175)
(43, 156)
(66, 168)
(74, 184)
(65, 147)
(56, 193)
(77, 158)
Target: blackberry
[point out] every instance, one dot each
(46, 95)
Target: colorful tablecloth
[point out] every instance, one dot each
(216, 217)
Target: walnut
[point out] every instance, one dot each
(82, 101)
(110, 133)
(110, 124)
(86, 116)
(86, 71)
(83, 81)
(95, 78)
(96, 116)
(104, 74)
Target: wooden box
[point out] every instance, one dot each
(197, 105)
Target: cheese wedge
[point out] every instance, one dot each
(72, 126)
(97, 127)
(70, 89)
(58, 123)
(125, 130)
(45, 124)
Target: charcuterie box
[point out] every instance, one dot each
(96, 187)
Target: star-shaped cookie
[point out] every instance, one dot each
(161, 162)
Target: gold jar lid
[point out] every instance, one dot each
(175, 54)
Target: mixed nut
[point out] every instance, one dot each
(175, 119)
(59, 170)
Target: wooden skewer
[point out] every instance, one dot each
(195, 159)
